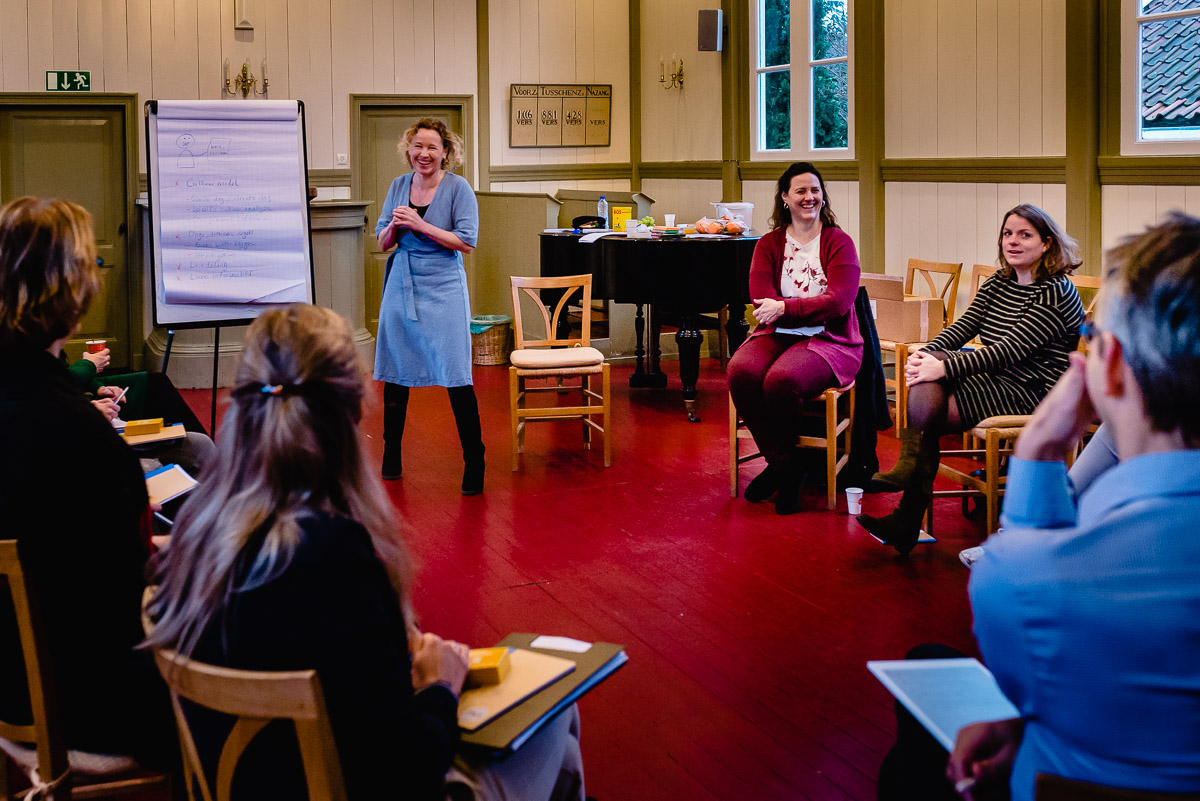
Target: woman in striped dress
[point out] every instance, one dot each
(1027, 316)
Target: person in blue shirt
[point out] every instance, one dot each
(1087, 609)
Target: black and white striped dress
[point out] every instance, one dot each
(1027, 332)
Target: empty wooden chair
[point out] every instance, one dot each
(931, 272)
(255, 698)
(38, 748)
(557, 356)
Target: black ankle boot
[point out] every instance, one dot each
(763, 485)
(472, 483)
(395, 413)
(470, 436)
(787, 499)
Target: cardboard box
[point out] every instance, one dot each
(149, 426)
(883, 287)
(911, 319)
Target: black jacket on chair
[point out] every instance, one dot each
(871, 413)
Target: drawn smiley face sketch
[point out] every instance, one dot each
(186, 141)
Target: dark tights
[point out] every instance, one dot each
(932, 408)
(462, 402)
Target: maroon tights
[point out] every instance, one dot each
(770, 377)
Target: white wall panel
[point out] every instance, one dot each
(956, 222)
(974, 78)
(1129, 210)
(558, 41)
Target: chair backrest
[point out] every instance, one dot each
(255, 698)
(1088, 287)
(44, 731)
(927, 269)
(979, 274)
(1056, 788)
(532, 288)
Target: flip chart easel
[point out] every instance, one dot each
(229, 220)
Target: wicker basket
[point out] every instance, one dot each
(490, 338)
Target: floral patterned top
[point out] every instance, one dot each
(802, 277)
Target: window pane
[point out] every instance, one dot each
(776, 95)
(1163, 6)
(1170, 97)
(776, 38)
(829, 29)
(829, 106)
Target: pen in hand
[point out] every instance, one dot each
(122, 395)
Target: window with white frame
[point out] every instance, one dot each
(801, 77)
(1162, 81)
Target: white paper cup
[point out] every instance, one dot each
(854, 500)
(669, 220)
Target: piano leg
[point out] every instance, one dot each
(689, 340)
(653, 378)
(737, 329)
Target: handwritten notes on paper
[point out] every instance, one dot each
(232, 216)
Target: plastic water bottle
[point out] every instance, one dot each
(602, 210)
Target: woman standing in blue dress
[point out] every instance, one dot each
(432, 218)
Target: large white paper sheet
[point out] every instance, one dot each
(231, 205)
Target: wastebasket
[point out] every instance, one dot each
(489, 338)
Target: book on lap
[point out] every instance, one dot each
(168, 482)
(509, 730)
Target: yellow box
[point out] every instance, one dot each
(618, 215)
(487, 666)
(149, 426)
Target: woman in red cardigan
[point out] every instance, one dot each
(803, 280)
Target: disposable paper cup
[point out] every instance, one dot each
(854, 500)
(95, 345)
(670, 220)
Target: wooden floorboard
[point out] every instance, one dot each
(748, 633)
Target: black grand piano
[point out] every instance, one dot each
(677, 278)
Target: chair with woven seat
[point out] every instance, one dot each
(255, 698)
(949, 274)
(838, 417)
(557, 356)
(38, 749)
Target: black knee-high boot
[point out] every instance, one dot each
(395, 412)
(470, 435)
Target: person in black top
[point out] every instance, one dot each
(290, 557)
(73, 496)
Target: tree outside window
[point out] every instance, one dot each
(822, 105)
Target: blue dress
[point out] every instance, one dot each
(425, 315)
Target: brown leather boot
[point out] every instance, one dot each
(902, 527)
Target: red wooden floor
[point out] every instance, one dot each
(747, 632)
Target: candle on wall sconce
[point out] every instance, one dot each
(245, 81)
(673, 79)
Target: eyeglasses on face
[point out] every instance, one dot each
(1088, 329)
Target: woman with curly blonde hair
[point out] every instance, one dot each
(431, 217)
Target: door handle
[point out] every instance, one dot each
(121, 229)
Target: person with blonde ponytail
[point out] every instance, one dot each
(290, 557)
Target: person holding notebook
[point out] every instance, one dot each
(291, 558)
(1085, 608)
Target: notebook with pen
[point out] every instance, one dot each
(168, 482)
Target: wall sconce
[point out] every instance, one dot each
(244, 81)
(674, 79)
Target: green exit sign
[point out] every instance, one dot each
(68, 81)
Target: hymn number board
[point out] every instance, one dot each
(560, 115)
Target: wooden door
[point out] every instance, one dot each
(380, 129)
(78, 153)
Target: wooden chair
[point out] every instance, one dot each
(993, 438)
(835, 426)
(1055, 788)
(55, 772)
(949, 274)
(555, 357)
(255, 698)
